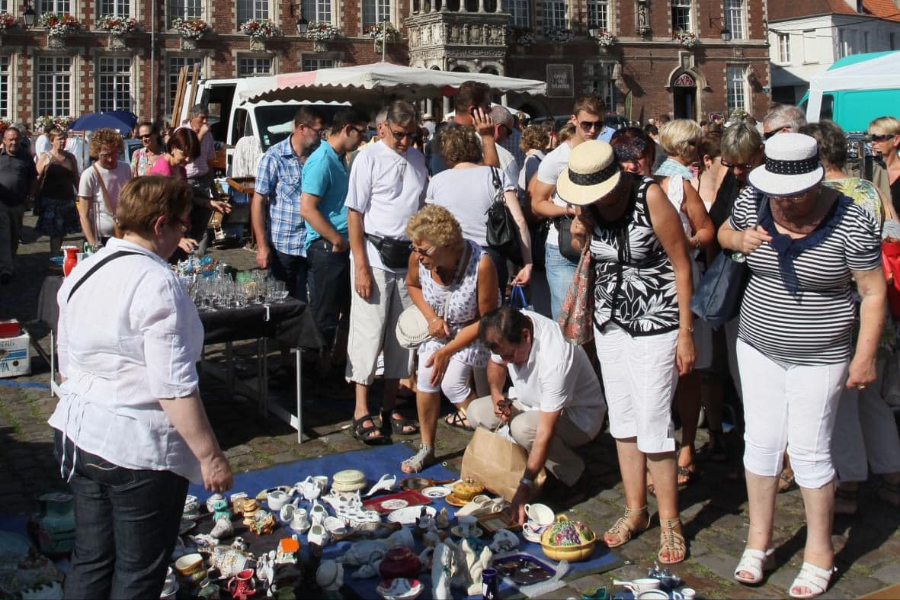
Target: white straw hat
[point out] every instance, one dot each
(791, 167)
(592, 173)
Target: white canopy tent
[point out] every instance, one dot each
(376, 83)
(881, 72)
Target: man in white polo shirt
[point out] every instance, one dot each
(558, 406)
(387, 187)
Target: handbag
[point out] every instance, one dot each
(112, 213)
(576, 315)
(497, 463)
(412, 326)
(564, 238)
(502, 233)
(717, 298)
(394, 253)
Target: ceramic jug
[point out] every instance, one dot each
(71, 259)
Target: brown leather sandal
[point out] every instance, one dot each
(624, 530)
(670, 541)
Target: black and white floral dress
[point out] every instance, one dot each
(634, 283)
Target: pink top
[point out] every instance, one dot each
(162, 167)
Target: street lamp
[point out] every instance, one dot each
(724, 33)
(302, 24)
(593, 30)
(28, 16)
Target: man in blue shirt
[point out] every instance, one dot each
(325, 183)
(278, 177)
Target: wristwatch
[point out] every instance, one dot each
(526, 482)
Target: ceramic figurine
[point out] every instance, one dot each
(330, 577)
(205, 540)
(442, 520)
(426, 556)
(368, 530)
(384, 484)
(263, 522)
(223, 528)
(239, 543)
(432, 538)
(359, 553)
(212, 500)
(264, 570)
(459, 576)
(288, 549)
(370, 568)
(477, 568)
(403, 538)
(441, 568)
(317, 513)
(504, 541)
(220, 509)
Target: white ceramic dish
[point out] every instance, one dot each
(437, 491)
(394, 504)
(400, 589)
(532, 536)
(408, 515)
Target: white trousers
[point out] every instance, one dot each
(455, 383)
(791, 406)
(639, 378)
(865, 433)
(373, 325)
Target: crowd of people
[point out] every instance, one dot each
(628, 218)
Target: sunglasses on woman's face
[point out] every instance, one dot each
(881, 137)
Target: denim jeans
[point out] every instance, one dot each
(329, 287)
(560, 273)
(127, 524)
(292, 270)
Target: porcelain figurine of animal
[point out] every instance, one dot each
(477, 568)
(360, 552)
(504, 541)
(404, 538)
(370, 568)
(384, 484)
(330, 577)
(442, 566)
(460, 578)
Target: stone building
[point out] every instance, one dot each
(644, 72)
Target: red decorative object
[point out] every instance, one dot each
(71, 259)
(411, 497)
(400, 562)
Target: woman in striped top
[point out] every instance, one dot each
(804, 244)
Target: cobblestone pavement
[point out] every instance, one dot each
(714, 509)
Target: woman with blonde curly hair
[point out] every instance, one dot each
(98, 190)
(454, 283)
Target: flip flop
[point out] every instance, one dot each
(458, 420)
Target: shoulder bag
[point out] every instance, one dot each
(717, 298)
(502, 233)
(112, 213)
(412, 326)
(564, 238)
(576, 316)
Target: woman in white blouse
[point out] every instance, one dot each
(131, 429)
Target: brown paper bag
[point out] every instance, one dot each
(497, 464)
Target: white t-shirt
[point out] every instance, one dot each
(468, 193)
(89, 187)
(508, 163)
(549, 171)
(557, 376)
(387, 188)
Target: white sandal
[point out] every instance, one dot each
(755, 562)
(815, 579)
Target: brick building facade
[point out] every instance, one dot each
(646, 71)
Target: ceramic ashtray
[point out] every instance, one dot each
(400, 589)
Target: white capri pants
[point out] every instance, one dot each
(455, 383)
(865, 433)
(793, 406)
(373, 325)
(639, 377)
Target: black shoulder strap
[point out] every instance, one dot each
(93, 269)
(495, 176)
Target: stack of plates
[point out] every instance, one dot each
(349, 480)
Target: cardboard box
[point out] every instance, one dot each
(889, 593)
(15, 356)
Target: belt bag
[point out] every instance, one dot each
(563, 227)
(394, 253)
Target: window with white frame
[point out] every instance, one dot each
(113, 84)
(810, 51)
(254, 67)
(784, 48)
(54, 85)
(736, 87)
(4, 5)
(118, 8)
(598, 78)
(252, 9)
(736, 18)
(375, 11)
(317, 10)
(314, 64)
(5, 108)
(57, 6)
(183, 9)
(681, 15)
(598, 14)
(519, 12)
(555, 14)
(173, 68)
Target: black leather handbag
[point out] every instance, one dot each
(502, 233)
(394, 253)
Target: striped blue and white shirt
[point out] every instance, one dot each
(278, 177)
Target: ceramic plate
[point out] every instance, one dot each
(456, 531)
(452, 500)
(395, 504)
(186, 526)
(408, 515)
(384, 590)
(535, 538)
(437, 491)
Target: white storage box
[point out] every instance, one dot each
(15, 357)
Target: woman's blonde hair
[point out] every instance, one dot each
(54, 133)
(534, 137)
(105, 137)
(885, 126)
(436, 225)
(565, 132)
(460, 144)
(680, 137)
(740, 141)
(145, 199)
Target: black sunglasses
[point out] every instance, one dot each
(746, 167)
(880, 137)
(399, 135)
(589, 125)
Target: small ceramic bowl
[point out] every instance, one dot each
(276, 499)
(189, 564)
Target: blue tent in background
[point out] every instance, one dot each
(120, 120)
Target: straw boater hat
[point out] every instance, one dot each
(592, 173)
(792, 166)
